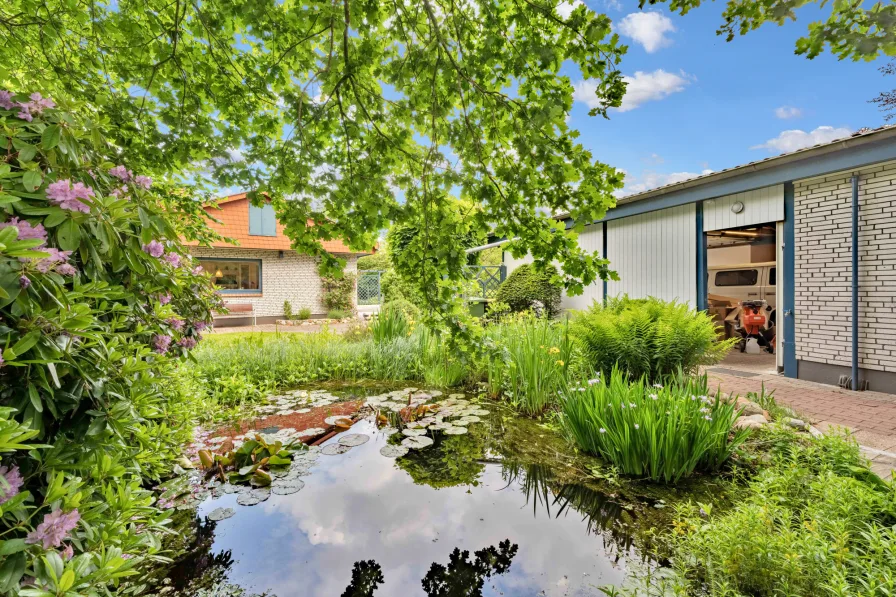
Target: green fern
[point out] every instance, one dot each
(648, 337)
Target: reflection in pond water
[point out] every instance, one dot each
(460, 578)
(375, 524)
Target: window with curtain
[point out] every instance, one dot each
(234, 275)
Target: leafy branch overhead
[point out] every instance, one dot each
(853, 30)
(353, 115)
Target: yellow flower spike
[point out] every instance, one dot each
(560, 363)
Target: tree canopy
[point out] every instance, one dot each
(353, 114)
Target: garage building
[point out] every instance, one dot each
(813, 232)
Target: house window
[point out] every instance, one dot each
(737, 277)
(262, 221)
(234, 275)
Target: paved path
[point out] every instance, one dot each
(869, 416)
(287, 329)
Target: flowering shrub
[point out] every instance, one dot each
(659, 432)
(98, 304)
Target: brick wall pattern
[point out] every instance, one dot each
(823, 282)
(292, 278)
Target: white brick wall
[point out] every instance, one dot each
(823, 208)
(293, 278)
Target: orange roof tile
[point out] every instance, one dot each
(234, 223)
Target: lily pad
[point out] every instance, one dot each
(221, 514)
(390, 451)
(470, 419)
(417, 443)
(413, 432)
(310, 432)
(253, 497)
(354, 439)
(455, 396)
(335, 449)
(480, 412)
(455, 430)
(287, 486)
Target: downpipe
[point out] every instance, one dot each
(855, 282)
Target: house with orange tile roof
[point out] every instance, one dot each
(263, 270)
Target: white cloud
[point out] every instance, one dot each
(785, 112)
(795, 139)
(565, 8)
(641, 87)
(651, 180)
(648, 29)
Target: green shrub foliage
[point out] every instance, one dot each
(648, 337)
(339, 293)
(659, 432)
(526, 285)
(98, 303)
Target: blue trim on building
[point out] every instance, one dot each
(702, 272)
(788, 343)
(845, 159)
(603, 254)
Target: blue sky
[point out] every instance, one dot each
(718, 104)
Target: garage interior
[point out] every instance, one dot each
(742, 292)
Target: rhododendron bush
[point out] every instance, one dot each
(99, 303)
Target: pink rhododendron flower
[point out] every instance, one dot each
(173, 259)
(54, 528)
(12, 479)
(56, 257)
(119, 192)
(121, 173)
(6, 100)
(175, 323)
(25, 114)
(67, 553)
(26, 229)
(199, 325)
(24, 282)
(67, 195)
(198, 270)
(154, 248)
(38, 103)
(143, 181)
(165, 298)
(161, 342)
(66, 269)
(187, 342)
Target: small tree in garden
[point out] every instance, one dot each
(338, 293)
(98, 304)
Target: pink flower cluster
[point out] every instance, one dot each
(12, 479)
(175, 323)
(54, 529)
(125, 175)
(27, 231)
(165, 298)
(57, 261)
(161, 342)
(26, 109)
(187, 342)
(68, 196)
(173, 259)
(154, 248)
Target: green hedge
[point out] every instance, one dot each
(525, 285)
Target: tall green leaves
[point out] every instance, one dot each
(661, 433)
(648, 337)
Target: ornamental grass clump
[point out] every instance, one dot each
(659, 432)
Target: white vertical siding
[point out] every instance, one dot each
(761, 206)
(591, 239)
(655, 254)
(512, 263)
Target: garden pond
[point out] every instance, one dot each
(424, 494)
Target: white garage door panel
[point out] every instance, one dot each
(655, 254)
(760, 207)
(591, 239)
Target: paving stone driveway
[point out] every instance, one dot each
(870, 416)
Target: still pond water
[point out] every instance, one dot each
(366, 524)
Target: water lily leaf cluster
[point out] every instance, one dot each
(252, 462)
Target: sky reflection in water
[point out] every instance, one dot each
(360, 506)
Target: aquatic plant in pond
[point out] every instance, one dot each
(659, 432)
(529, 361)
